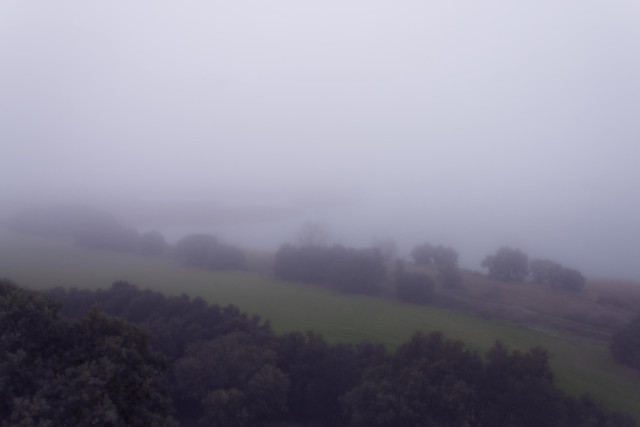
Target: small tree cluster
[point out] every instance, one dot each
(444, 258)
(90, 228)
(510, 264)
(441, 256)
(346, 269)
(507, 264)
(625, 344)
(556, 275)
(205, 251)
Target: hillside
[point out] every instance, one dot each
(594, 313)
(580, 361)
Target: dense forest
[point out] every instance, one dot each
(125, 356)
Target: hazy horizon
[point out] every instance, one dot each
(473, 125)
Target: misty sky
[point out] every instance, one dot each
(468, 123)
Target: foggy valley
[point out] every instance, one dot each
(387, 176)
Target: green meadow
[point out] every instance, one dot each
(580, 366)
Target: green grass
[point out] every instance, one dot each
(580, 365)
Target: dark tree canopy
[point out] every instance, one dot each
(556, 275)
(228, 369)
(96, 370)
(625, 344)
(545, 271)
(439, 255)
(507, 264)
(423, 254)
(346, 269)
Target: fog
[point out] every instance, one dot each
(463, 123)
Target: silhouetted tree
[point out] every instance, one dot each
(423, 254)
(507, 264)
(545, 271)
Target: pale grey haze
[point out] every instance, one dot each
(473, 124)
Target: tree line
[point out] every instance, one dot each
(125, 356)
(509, 264)
(311, 261)
(95, 229)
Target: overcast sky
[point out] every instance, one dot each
(467, 123)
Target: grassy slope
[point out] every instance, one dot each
(580, 365)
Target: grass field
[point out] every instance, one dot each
(581, 365)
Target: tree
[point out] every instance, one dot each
(430, 381)
(423, 254)
(95, 370)
(625, 344)
(205, 251)
(519, 389)
(388, 248)
(572, 280)
(545, 271)
(313, 233)
(556, 275)
(507, 264)
(445, 257)
(346, 269)
(231, 381)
